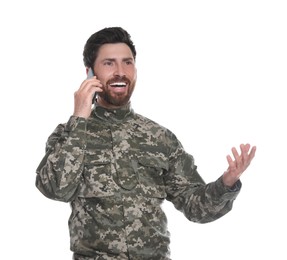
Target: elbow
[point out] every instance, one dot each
(56, 193)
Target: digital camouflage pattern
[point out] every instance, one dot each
(116, 169)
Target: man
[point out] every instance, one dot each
(116, 167)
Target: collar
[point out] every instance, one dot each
(115, 115)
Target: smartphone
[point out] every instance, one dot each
(90, 75)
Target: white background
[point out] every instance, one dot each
(213, 72)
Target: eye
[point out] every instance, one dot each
(108, 63)
(129, 62)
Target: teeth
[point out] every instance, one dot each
(118, 84)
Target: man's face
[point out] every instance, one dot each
(115, 68)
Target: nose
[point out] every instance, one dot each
(119, 70)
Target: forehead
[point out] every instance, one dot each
(114, 51)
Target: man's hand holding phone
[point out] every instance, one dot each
(84, 96)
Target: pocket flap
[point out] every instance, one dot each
(153, 161)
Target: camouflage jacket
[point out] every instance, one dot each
(116, 168)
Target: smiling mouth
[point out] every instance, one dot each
(118, 84)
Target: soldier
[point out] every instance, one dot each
(116, 167)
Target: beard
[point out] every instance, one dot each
(114, 98)
(117, 99)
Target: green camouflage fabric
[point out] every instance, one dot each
(116, 168)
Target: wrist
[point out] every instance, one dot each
(228, 180)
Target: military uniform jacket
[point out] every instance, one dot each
(116, 168)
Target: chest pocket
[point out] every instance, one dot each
(97, 178)
(151, 170)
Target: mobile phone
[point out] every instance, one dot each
(90, 75)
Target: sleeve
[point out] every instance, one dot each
(59, 173)
(199, 202)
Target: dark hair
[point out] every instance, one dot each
(106, 35)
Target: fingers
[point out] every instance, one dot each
(244, 151)
(252, 152)
(235, 154)
(239, 164)
(83, 97)
(91, 86)
(247, 154)
(230, 162)
(241, 161)
(87, 90)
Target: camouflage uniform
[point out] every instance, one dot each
(116, 168)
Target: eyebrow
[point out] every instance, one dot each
(124, 59)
